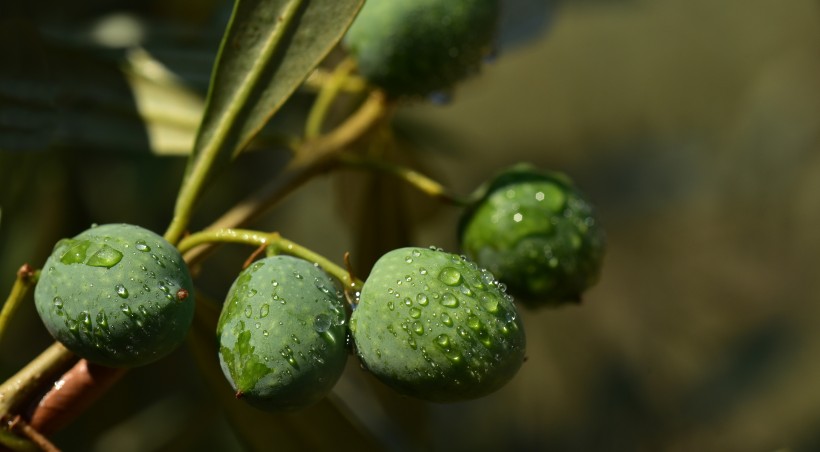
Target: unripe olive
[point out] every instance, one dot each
(433, 325)
(282, 334)
(116, 294)
(417, 47)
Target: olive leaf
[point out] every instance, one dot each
(268, 50)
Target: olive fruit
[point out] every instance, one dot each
(417, 47)
(433, 325)
(282, 334)
(116, 294)
(537, 233)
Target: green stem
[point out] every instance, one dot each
(320, 77)
(276, 243)
(226, 235)
(204, 160)
(312, 158)
(424, 184)
(26, 279)
(330, 90)
(16, 443)
(281, 245)
(25, 382)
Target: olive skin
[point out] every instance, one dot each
(537, 233)
(117, 295)
(418, 47)
(282, 334)
(434, 326)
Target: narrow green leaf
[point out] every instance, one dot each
(268, 50)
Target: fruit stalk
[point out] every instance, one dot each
(416, 179)
(276, 245)
(330, 90)
(312, 158)
(26, 279)
(24, 383)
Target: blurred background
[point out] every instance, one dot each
(694, 127)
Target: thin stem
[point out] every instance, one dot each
(26, 279)
(327, 94)
(313, 158)
(281, 245)
(204, 160)
(424, 184)
(14, 442)
(227, 235)
(276, 244)
(320, 77)
(17, 423)
(20, 386)
(374, 111)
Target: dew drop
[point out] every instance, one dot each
(298, 275)
(446, 320)
(415, 313)
(264, 311)
(490, 304)
(408, 259)
(76, 251)
(122, 291)
(142, 246)
(450, 276)
(422, 299)
(422, 271)
(58, 302)
(321, 323)
(248, 311)
(85, 320)
(417, 328)
(106, 257)
(102, 320)
(474, 323)
(142, 310)
(412, 343)
(416, 253)
(487, 277)
(408, 302)
(390, 305)
(443, 340)
(449, 300)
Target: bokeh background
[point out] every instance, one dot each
(694, 126)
